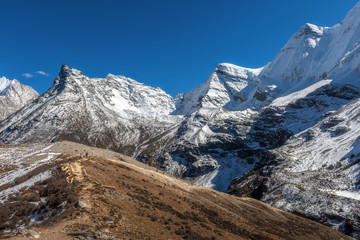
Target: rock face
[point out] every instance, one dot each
(278, 133)
(13, 96)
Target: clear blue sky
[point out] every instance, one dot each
(171, 44)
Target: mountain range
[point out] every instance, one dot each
(285, 133)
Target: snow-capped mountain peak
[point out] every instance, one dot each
(117, 93)
(319, 52)
(292, 61)
(229, 86)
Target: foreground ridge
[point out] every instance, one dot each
(99, 197)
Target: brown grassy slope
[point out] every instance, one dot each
(66, 147)
(124, 201)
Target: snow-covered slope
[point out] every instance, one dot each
(18, 161)
(13, 96)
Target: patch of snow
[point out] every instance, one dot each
(28, 183)
(348, 194)
(292, 97)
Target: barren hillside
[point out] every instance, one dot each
(109, 196)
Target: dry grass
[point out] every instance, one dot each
(43, 200)
(124, 201)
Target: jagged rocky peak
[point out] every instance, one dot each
(68, 81)
(65, 77)
(64, 71)
(124, 93)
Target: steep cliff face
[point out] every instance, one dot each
(13, 96)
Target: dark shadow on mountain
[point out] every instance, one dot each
(271, 130)
(272, 127)
(353, 161)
